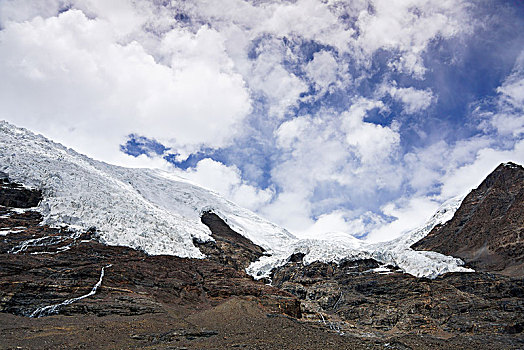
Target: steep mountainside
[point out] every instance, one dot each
(98, 256)
(159, 213)
(65, 289)
(487, 230)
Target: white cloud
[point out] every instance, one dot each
(414, 100)
(94, 74)
(21, 10)
(227, 182)
(290, 209)
(409, 213)
(462, 179)
(408, 27)
(281, 87)
(335, 153)
(340, 224)
(373, 142)
(310, 19)
(455, 169)
(512, 89)
(69, 78)
(509, 119)
(322, 69)
(123, 16)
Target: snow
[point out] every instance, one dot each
(396, 252)
(53, 309)
(6, 231)
(511, 165)
(159, 212)
(140, 208)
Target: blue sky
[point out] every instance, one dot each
(359, 117)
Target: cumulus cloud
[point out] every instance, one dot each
(279, 86)
(300, 99)
(326, 156)
(509, 119)
(408, 27)
(372, 142)
(68, 76)
(227, 182)
(414, 100)
(408, 213)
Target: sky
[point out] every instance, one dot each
(359, 117)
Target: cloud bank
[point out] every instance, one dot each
(358, 117)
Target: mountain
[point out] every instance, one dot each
(159, 213)
(103, 257)
(487, 231)
(140, 208)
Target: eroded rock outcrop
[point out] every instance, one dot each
(42, 266)
(229, 247)
(487, 231)
(170, 302)
(364, 297)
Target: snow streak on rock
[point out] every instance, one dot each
(53, 309)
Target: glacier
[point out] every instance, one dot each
(159, 212)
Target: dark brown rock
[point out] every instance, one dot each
(487, 231)
(17, 196)
(229, 247)
(168, 302)
(354, 297)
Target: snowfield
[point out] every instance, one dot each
(159, 212)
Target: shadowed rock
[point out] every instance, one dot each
(229, 247)
(17, 196)
(487, 231)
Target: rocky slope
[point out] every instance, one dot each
(97, 256)
(53, 294)
(160, 213)
(487, 230)
(363, 297)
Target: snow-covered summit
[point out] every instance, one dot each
(159, 212)
(140, 208)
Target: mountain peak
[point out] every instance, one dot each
(487, 230)
(160, 213)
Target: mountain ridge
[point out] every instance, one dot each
(63, 289)
(487, 230)
(159, 212)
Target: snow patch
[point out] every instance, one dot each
(53, 309)
(6, 231)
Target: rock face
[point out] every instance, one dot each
(42, 266)
(487, 231)
(229, 248)
(14, 195)
(139, 301)
(361, 296)
(98, 296)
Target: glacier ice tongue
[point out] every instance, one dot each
(159, 212)
(151, 210)
(396, 252)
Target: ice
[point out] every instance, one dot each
(159, 212)
(152, 210)
(6, 231)
(53, 309)
(396, 252)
